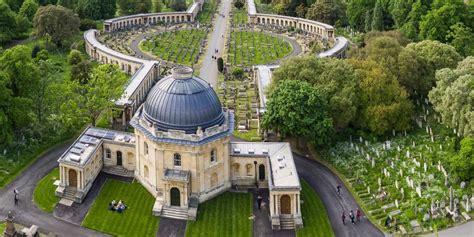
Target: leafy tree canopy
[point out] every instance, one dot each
(56, 22)
(462, 164)
(439, 55)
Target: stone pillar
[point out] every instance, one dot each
(10, 231)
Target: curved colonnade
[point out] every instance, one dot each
(146, 72)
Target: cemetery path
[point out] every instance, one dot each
(324, 182)
(464, 230)
(216, 41)
(26, 213)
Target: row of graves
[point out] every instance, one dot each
(403, 181)
(241, 96)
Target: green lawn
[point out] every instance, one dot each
(44, 196)
(2, 227)
(225, 215)
(251, 135)
(208, 10)
(252, 48)
(137, 220)
(315, 218)
(181, 46)
(239, 16)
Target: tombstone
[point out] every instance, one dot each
(352, 145)
(10, 230)
(442, 204)
(446, 182)
(440, 147)
(430, 177)
(432, 139)
(368, 157)
(468, 206)
(401, 172)
(392, 164)
(373, 163)
(388, 173)
(385, 172)
(366, 143)
(427, 129)
(380, 183)
(393, 132)
(425, 167)
(384, 147)
(411, 183)
(398, 148)
(396, 203)
(389, 144)
(463, 185)
(418, 191)
(396, 184)
(426, 217)
(412, 170)
(414, 144)
(408, 153)
(377, 153)
(361, 140)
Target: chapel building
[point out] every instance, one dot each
(181, 151)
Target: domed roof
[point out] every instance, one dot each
(184, 102)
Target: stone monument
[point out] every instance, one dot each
(10, 231)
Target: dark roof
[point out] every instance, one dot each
(184, 102)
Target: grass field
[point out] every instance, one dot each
(239, 16)
(180, 46)
(225, 215)
(137, 220)
(43, 195)
(315, 218)
(208, 10)
(2, 227)
(252, 48)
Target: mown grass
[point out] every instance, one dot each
(315, 218)
(43, 195)
(208, 10)
(180, 46)
(239, 16)
(137, 220)
(225, 215)
(253, 48)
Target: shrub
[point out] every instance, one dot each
(35, 50)
(220, 64)
(42, 55)
(74, 57)
(239, 4)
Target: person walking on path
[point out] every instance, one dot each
(259, 202)
(351, 215)
(338, 190)
(358, 214)
(343, 218)
(16, 199)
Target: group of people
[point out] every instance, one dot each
(353, 217)
(117, 206)
(214, 57)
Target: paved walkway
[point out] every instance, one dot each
(464, 230)
(26, 213)
(324, 182)
(261, 224)
(171, 227)
(208, 69)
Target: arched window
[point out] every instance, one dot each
(177, 159)
(236, 169)
(249, 169)
(214, 180)
(145, 171)
(213, 156)
(108, 153)
(145, 148)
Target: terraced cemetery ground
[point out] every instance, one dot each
(137, 220)
(178, 46)
(208, 10)
(253, 48)
(405, 176)
(225, 215)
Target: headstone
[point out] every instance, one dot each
(398, 148)
(408, 153)
(432, 138)
(393, 132)
(414, 144)
(366, 143)
(451, 198)
(373, 163)
(368, 189)
(380, 183)
(468, 206)
(361, 140)
(401, 172)
(392, 164)
(426, 217)
(442, 204)
(377, 153)
(463, 185)
(385, 172)
(412, 170)
(396, 203)
(10, 230)
(418, 191)
(425, 166)
(368, 157)
(396, 184)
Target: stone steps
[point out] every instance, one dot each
(118, 170)
(175, 213)
(69, 193)
(287, 223)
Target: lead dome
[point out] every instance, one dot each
(182, 101)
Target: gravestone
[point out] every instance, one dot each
(426, 217)
(396, 203)
(10, 230)
(425, 166)
(418, 191)
(451, 199)
(396, 184)
(463, 185)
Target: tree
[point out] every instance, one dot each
(178, 5)
(327, 12)
(80, 71)
(437, 54)
(453, 96)
(461, 37)
(6, 126)
(7, 23)
(462, 164)
(97, 96)
(220, 64)
(377, 18)
(238, 4)
(74, 57)
(301, 10)
(414, 73)
(96, 9)
(436, 23)
(56, 22)
(28, 9)
(14, 4)
(400, 9)
(128, 7)
(411, 27)
(333, 78)
(296, 108)
(356, 12)
(157, 6)
(384, 104)
(384, 50)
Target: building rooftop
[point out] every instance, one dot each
(251, 7)
(176, 175)
(135, 82)
(280, 159)
(86, 144)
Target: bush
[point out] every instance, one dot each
(35, 50)
(220, 64)
(74, 57)
(87, 24)
(42, 55)
(238, 73)
(239, 4)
